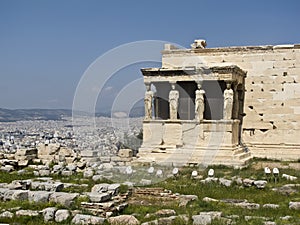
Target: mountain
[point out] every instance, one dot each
(12, 115)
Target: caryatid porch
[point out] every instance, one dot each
(193, 116)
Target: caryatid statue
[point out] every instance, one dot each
(199, 103)
(148, 102)
(173, 102)
(228, 102)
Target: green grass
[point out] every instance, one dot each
(182, 184)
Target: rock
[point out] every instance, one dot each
(99, 197)
(145, 182)
(57, 168)
(294, 205)
(271, 206)
(21, 195)
(38, 196)
(100, 188)
(88, 173)
(61, 215)
(6, 214)
(7, 168)
(285, 190)
(206, 217)
(66, 173)
(225, 182)
(49, 213)
(248, 182)
(63, 198)
(248, 205)
(27, 213)
(125, 153)
(97, 177)
(209, 180)
(260, 184)
(289, 177)
(71, 167)
(44, 173)
(207, 199)
(185, 199)
(87, 219)
(201, 219)
(170, 220)
(114, 189)
(165, 212)
(123, 220)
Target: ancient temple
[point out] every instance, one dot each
(200, 105)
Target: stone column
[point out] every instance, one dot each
(199, 103)
(148, 102)
(228, 102)
(173, 102)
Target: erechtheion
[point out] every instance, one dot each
(222, 105)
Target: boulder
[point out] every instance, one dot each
(63, 198)
(49, 213)
(39, 196)
(87, 219)
(294, 205)
(61, 215)
(123, 220)
(260, 184)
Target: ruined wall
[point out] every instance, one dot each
(271, 127)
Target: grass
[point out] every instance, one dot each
(183, 184)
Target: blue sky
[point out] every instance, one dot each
(45, 46)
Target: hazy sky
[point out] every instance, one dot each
(46, 46)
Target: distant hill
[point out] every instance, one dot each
(12, 115)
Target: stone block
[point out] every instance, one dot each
(125, 153)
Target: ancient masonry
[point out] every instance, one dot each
(222, 105)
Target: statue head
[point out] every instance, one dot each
(228, 85)
(148, 85)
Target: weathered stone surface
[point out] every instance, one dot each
(63, 198)
(6, 214)
(165, 212)
(27, 213)
(201, 219)
(225, 182)
(61, 215)
(16, 195)
(38, 196)
(99, 197)
(100, 188)
(49, 213)
(260, 184)
(87, 219)
(123, 219)
(294, 205)
(125, 153)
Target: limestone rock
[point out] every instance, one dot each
(63, 198)
(61, 215)
(49, 213)
(100, 188)
(99, 197)
(87, 219)
(260, 184)
(39, 196)
(27, 213)
(6, 214)
(294, 205)
(225, 182)
(123, 220)
(165, 212)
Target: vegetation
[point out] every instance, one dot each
(145, 207)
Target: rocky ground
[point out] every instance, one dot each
(53, 176)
